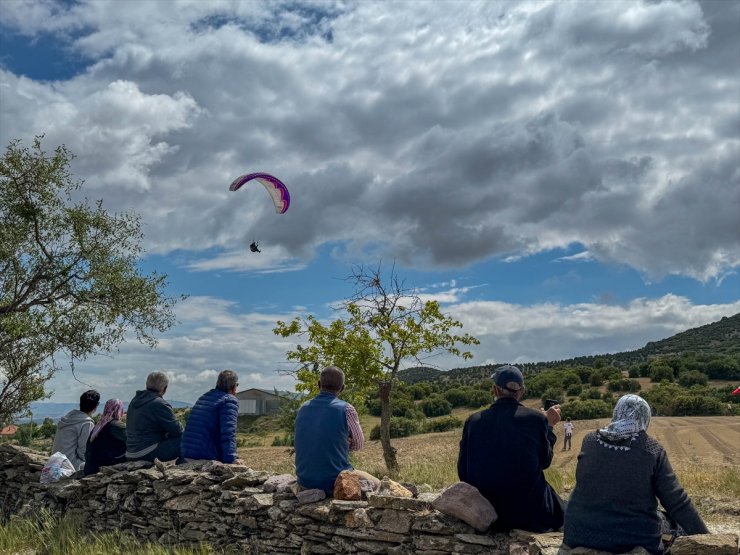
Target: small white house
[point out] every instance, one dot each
(261, 402)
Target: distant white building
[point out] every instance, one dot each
(261, 402)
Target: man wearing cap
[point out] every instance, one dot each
(503, 453)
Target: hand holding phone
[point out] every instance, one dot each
(550, 403)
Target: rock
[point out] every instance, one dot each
(465, 502)
(347, 487)
(392, 489)
(411, 487)
(705, 544)
(280, 483)
(367, 487)
(395, 521)
(310, 496)
(400, 503)
(358, 519)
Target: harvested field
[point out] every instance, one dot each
(704, 452)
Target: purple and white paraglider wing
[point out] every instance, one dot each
(276, 188)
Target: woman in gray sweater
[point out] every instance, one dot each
(621, 474)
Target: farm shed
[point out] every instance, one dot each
(261, 402)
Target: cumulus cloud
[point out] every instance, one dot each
(438, 136)
(216, 335)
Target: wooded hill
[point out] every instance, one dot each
(718, 339)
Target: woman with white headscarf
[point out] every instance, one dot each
(621, 474)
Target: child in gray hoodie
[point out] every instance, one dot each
(74, 429)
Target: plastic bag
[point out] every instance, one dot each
(57, 467)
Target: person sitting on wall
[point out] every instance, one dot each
(153, 429)
(210, 432)
(74, 429)
(621, 474)
(107, 444)
(504, 451)
(326, 430)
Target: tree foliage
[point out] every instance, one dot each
(383, 325)
(69, 281)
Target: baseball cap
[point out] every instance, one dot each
(506, 374)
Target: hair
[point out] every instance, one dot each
(89, 400)
(227, 380)
(506, 392)
(157, 381)
(331, 379)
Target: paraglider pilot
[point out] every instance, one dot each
(254, 247)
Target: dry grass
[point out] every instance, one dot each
(703, 452)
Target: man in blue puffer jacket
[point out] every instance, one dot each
(210, 432)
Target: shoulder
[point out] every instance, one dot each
(650, 444)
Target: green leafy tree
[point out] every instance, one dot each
(384, 324)
(69, 277)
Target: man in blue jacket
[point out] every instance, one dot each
(152, 429)
(210, 432)
(504, 451)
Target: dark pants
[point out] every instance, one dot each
(167, 450)
(566, 442)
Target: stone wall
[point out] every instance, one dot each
(240, 509)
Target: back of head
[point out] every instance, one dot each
(89, 400)
(508, 381)
(227, 381)
(331, 379)
(157, 382)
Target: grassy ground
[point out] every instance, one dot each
(52, 536)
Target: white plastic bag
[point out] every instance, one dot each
(58, 466)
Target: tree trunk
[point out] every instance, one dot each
(389, 452)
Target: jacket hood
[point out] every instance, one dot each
(143, 398)
(73, 417)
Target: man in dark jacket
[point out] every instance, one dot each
(504, 451)
(210, 432)
(153, 431)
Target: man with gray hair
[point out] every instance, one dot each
(326, 430)
(152, 429)
(504, 451)
(210, 432)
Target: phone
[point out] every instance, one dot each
(551, 403)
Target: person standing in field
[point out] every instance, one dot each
(210, 432)
(326, 430)
(74, 429)
(503, 453)
(621, 474)
(568, 435)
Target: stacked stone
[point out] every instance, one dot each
(235, 508)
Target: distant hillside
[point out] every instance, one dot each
(419, 374)
(41, 410)
(718, 338)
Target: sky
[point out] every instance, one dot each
(563, 177)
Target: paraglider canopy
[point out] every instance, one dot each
(277, 189)
(736, 392)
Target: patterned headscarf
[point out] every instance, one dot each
(113, 411)
(631, 416)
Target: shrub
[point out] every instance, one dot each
(436, 405)
(584, 410)
(399, 427)
(287, 440)
(457, 397)
(443, 424)
(590, 393)
(555, 393)
(596, 379)
(479, 398)
(574, 390)
(695, 405)
(692, 377)
(660, 372)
